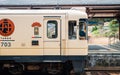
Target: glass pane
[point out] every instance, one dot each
(52, 29)
(72, 30)
(82, 30)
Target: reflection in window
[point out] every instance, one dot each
(82, 30)
(72, 30)
(52, 29)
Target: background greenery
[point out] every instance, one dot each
(100, 29)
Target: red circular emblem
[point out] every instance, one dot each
(6, 27)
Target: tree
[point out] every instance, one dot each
(113, 27)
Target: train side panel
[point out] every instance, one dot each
(31, 34)
(23, 36)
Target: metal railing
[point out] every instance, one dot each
(114, 42)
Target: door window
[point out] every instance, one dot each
(72, 30)
(52, 29)
(82, 29)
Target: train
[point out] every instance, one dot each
(46, 40)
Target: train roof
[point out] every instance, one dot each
(40, 11)
(35, 12)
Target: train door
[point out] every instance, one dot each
(77, 38)
(52, 36)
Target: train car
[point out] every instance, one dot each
(43, 40)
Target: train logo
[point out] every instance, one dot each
(6, 27)
(37, 24)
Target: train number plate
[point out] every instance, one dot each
(5, 44)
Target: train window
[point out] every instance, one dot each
(82, 30)
(72, 30)
(36, 31)
(52, 29)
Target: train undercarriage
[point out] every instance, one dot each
(46, 67)
(74, 66)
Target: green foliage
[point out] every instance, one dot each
(96, 33)
(111, 30)
(94, 28)
(113, 27)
